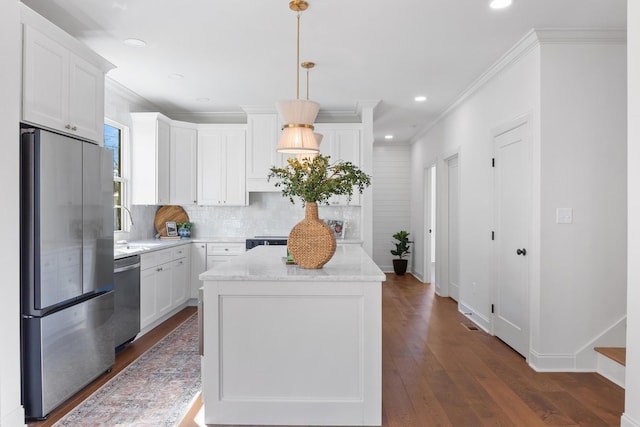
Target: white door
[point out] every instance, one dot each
(429, 223)
(453, 234)
(512, 206)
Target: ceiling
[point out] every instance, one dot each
(236, 54)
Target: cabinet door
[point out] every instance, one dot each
(182, 165)
(342, 145)
(262, 141)
(150, 139)
(221, 167)
(235, 169)
(179, 281)
(163, 171)
(45, 81)
(148, 312)
(86, 98)
(198, 266)
(164, 276)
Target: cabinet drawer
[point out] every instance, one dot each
(229, 249)
(180, 252)
(155, 258)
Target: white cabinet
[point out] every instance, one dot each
(198, 266)
(342, 142)
(219, 252)
(221, 166)
(150, 171)
(164, 279)
(262, 140)
(183, 164)
(62, 90)
(180, 270)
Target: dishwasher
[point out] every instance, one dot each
(126, 315)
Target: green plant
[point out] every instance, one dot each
(186, 225)
(317, 180)
(402, 244)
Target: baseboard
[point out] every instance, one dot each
(558, 362)
(614, 336)
(14, 418)
(627, 421)
(611, 370)
(483, 322)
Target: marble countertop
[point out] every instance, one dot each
(350, 263)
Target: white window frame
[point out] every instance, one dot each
(125, 171)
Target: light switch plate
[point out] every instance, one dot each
(564, 215)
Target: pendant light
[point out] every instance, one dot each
(297, 114)
(307, 65)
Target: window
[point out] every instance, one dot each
(115, 139)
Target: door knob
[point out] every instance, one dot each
(522, 251)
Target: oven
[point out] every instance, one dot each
(265, 240)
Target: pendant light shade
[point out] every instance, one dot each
(311, 155)
(297, 134)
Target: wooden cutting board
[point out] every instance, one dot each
(169, 213)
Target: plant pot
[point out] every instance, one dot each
(400, 266)
(311, 242)
(184, 232)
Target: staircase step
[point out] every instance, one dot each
(619, 354)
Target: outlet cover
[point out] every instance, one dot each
(564, 215)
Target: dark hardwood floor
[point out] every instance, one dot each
(123, 359)
(436, 372)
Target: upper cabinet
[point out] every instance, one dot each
(183, 164)
(343, 143)
(63, 82)
(262, 140)
(150, 171)
(221, 165)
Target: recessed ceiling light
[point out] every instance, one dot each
(176, 76)
(203, 99)
(135, 42)
(500, 4)
(388, 137)
(420, 98)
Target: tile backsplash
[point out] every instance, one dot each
(267, 214)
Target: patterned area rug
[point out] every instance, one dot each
(155, 390)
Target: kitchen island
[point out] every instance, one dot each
(288, 346)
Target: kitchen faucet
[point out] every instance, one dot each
(126, 209)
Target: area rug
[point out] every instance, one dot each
(155, 390)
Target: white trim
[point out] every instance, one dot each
(14, 418)
(611, 370)
(475, 316)
(559, 362)
(127, 94)
(531, 40)
(626, 421)
(125, 171)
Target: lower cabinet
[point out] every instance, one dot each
(219, 252)
(164, 280)
(198, 266)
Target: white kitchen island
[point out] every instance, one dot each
(288, 346)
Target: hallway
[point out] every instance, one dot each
(436, 372)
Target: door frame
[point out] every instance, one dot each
(522, 120)
(443, 220)
(430, 194)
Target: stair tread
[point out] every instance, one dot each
(619, 354)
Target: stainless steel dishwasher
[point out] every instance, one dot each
(126, 314)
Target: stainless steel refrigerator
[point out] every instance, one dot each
(66, 267)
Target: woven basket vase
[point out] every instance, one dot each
(311, 241)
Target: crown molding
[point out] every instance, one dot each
(117, 88)
(532, 40)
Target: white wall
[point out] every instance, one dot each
(466, 130)
(583, 157)
(631, 416)
(573, 93)
(391, 200)
(11, 411)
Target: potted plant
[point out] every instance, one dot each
(184, 229)
(315, 181)
(401, 250)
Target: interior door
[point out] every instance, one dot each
(512, 206)
(453, 195)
